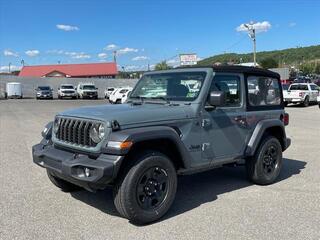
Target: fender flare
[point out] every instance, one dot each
(137, 135)
(260, 130)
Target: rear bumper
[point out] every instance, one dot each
(71, 166)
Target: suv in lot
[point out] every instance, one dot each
(44, 92)
(87, 90)
(67, 91)
(165, 130)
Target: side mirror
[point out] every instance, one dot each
(217, 98)
(75, 88)
(58, 88)
(96, 88)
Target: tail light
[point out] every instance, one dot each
(285, 119)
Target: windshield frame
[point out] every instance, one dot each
(208, 74)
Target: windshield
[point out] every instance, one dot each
(67, 87)
(44, 88)
(176, 86)
(89, 87)
(298, 87)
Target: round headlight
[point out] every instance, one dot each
(97, 132)
(56, 124)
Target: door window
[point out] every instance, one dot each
(230, 85)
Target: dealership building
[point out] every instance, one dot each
(88, 70)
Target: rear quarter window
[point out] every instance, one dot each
(263, 91)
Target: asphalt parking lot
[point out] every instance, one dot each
(219, 204)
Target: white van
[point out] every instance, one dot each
(14, 90)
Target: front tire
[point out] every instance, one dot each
(265, 166)
(62, 184)
(148, 189)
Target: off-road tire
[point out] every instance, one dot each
(126, 192)
(256, 167)
(62, 184)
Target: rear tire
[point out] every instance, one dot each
(147, 190)
(62, 184)
(265, 166)
(306, 101)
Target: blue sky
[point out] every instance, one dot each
(45, 32)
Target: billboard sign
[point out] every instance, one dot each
(188, 59)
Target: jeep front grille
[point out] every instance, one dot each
(75, 131)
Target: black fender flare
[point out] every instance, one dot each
(137, 135)
(260, 130)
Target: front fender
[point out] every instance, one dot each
(137, 135)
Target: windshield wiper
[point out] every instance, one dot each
(136, 97)
(162, 98)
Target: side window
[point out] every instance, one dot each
(314, 87)
(230, 85)
(263, 91)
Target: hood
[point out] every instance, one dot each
(127, 114)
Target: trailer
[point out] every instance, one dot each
(14, 90)
(284, 74)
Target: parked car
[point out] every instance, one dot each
(87, 90)
(67, 91)
(14, 90)
(125, 96)
(108, 91)
(118, 94)
(318, 100)
(301, 93)
(44, 92)
(140, 147)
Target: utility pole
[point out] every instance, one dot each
(9, 67)
(115, 56)
(22, 62)
(252, 35)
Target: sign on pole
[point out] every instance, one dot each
(188, 59)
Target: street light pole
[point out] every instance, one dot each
(252, 35)
(9, 67)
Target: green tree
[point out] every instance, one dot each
(317, 68)
(162, 66)
(269, 63)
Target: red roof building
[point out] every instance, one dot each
(102, 70)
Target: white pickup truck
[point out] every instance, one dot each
(301, 93)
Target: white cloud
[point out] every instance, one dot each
(12, 68)
(127, 50)
(102, 55)
(10, 53)
(55, 51)
(140, 58)
(292, 24)
(258, 26)
(136, 68)
(32, 53)
(67, 28)
(80, 55)
(110, 47)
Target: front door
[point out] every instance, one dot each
(224, 129)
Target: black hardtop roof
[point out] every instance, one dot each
(240, 69)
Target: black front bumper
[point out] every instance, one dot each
(71, 166)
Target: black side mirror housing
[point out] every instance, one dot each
(217, 98)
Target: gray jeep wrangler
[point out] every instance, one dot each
(179, 121)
